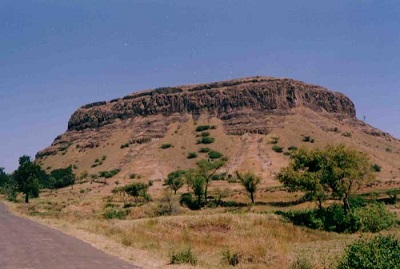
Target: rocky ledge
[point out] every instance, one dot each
(254, 95)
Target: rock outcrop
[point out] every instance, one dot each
(228, 100)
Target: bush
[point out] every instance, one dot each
(204, 150)
(185, 256)
(277, 149)
(109, 174)
(376, 168)
(371, 218)
(202, 128)
(214, 155)
(188, 200)
(220, 176)
(204, 134)
(292, 148)
(206, 140)
(166, 146)
(308, 139)
(124, 145)
(112, 213)
(380, 252)
(192, 155)
(375, 217)
(230, 258)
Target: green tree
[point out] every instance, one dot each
(138, 190)
(197, 183)
(347, 169)
(336, 170)
(62, 177)
(27, 177)
(250, 182)
(4, 177)
(306, 173)
(175, 180)
(206, 169)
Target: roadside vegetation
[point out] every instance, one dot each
(312, 220)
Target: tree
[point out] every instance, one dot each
(4, 178)
(347, 169)
(250, 182)
(63, 177)
(175, 180)
(197, 183)
(336, 170)
(137, 190)
(206, 169)
(27, 177)
(306, 173)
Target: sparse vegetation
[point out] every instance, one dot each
(166, 146)
(277, 149)
(206, 140)
(214, 155)
(202, 128)
(308, 139)
(192, 155)
(109, 174)
(182, 257)
(204, 150)
(377, 168)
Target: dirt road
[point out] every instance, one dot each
(25, 244)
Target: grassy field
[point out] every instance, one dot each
(251, 236)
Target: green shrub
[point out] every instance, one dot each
(204, 150)
(377, 168)
(124, 145)
(277, 149)
(206, 140)
(166, 146)
(192, 155)
(380, 252)
(188, 200)
(185, 256)
(375, 217)
(109, 174)
(230, 258)
(214, 155)
(308, 139)
(132, 176)
(202, 128)
(293, 148)
(220, 176)
(112, 213)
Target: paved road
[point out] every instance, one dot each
(25, 244)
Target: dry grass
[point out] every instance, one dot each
(260, 240)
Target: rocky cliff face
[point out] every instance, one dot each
(228, 100)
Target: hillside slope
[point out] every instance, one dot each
(151, 133)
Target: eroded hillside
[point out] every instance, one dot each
(254, 122)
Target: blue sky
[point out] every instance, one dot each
(58, 55)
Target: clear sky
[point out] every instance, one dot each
(58, 55)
